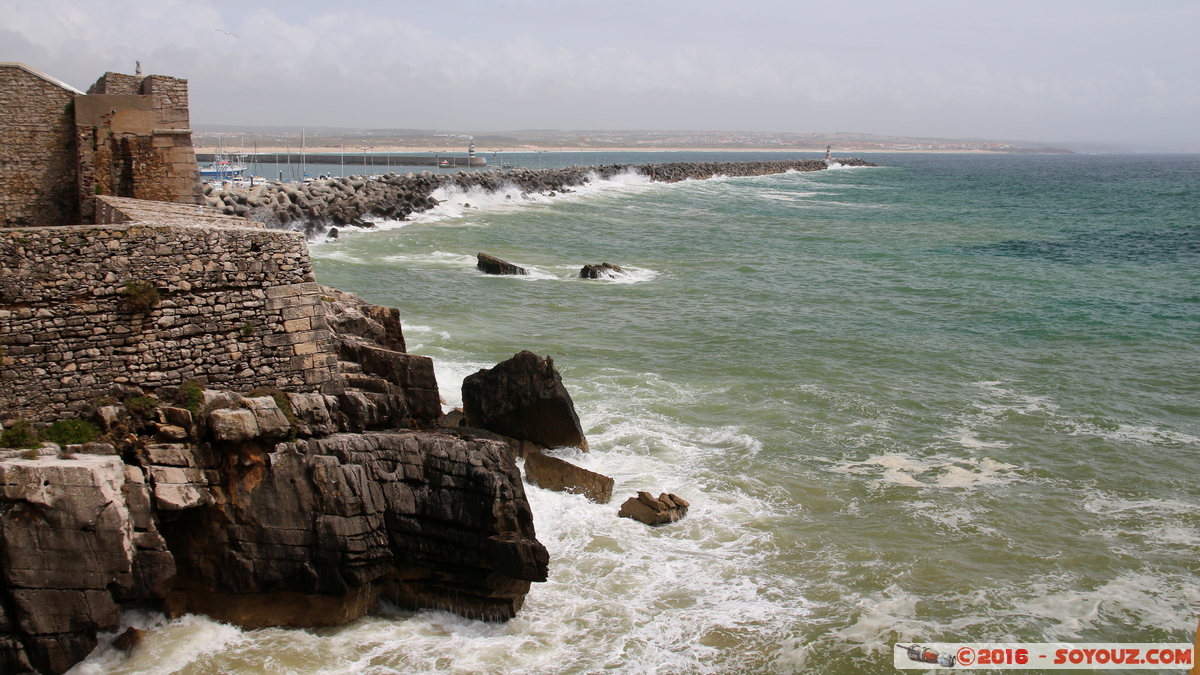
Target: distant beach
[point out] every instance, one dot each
(487, 150)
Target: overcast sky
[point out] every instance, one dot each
(1049, 70)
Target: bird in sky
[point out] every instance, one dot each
(222, 30)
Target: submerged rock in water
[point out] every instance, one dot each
(523, 398)
(667, 508)
(493, 265)
(552, 473)
(601, 271)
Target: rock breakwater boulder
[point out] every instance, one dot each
(523, 398)
(318, 206)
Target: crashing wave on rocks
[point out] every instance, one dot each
(323, 208)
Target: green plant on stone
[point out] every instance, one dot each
(140, 295)
(72, 432)
(19, 435)
(141, 407)
(190, 396)
(248, 329)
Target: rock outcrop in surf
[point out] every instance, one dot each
(645, 508)
(523, 398)
(489, 264)
(601, 271)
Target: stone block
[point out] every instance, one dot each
(170, 454)
(272, 422)
(233, 425)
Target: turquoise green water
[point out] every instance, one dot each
(950, 399)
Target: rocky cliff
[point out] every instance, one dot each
(265, 508)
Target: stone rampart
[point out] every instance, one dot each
(129, 136)
(153, 302)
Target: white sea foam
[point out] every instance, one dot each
(169, 646)
(455, 203)
(341, 255)
(942, 471)
(626, 275)
(1139, 508)
(883, 620)
(1141, 434)
(1138, 600)
(317, 241)
(434, 259)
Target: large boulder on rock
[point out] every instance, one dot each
(492, 265)
(552, 473)
(523, 398)
(668, 508)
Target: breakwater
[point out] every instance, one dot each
(316, 206)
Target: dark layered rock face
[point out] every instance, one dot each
(253, 529)
(72, 549)
(523, 398)
(379, 385)
(312, 533)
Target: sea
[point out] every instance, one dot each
(951, 398)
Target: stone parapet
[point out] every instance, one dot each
(155, 300)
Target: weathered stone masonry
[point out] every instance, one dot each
(239, 307)
(38, 173)
(129, 136)
(134, 140)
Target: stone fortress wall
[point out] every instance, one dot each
(135, 140)
(128, 136)
(237, 306)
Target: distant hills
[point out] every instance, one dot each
(249, 137)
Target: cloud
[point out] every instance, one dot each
(1024, 70)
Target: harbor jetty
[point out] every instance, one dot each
(315, 206)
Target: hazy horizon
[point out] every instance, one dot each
(1070, 72)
